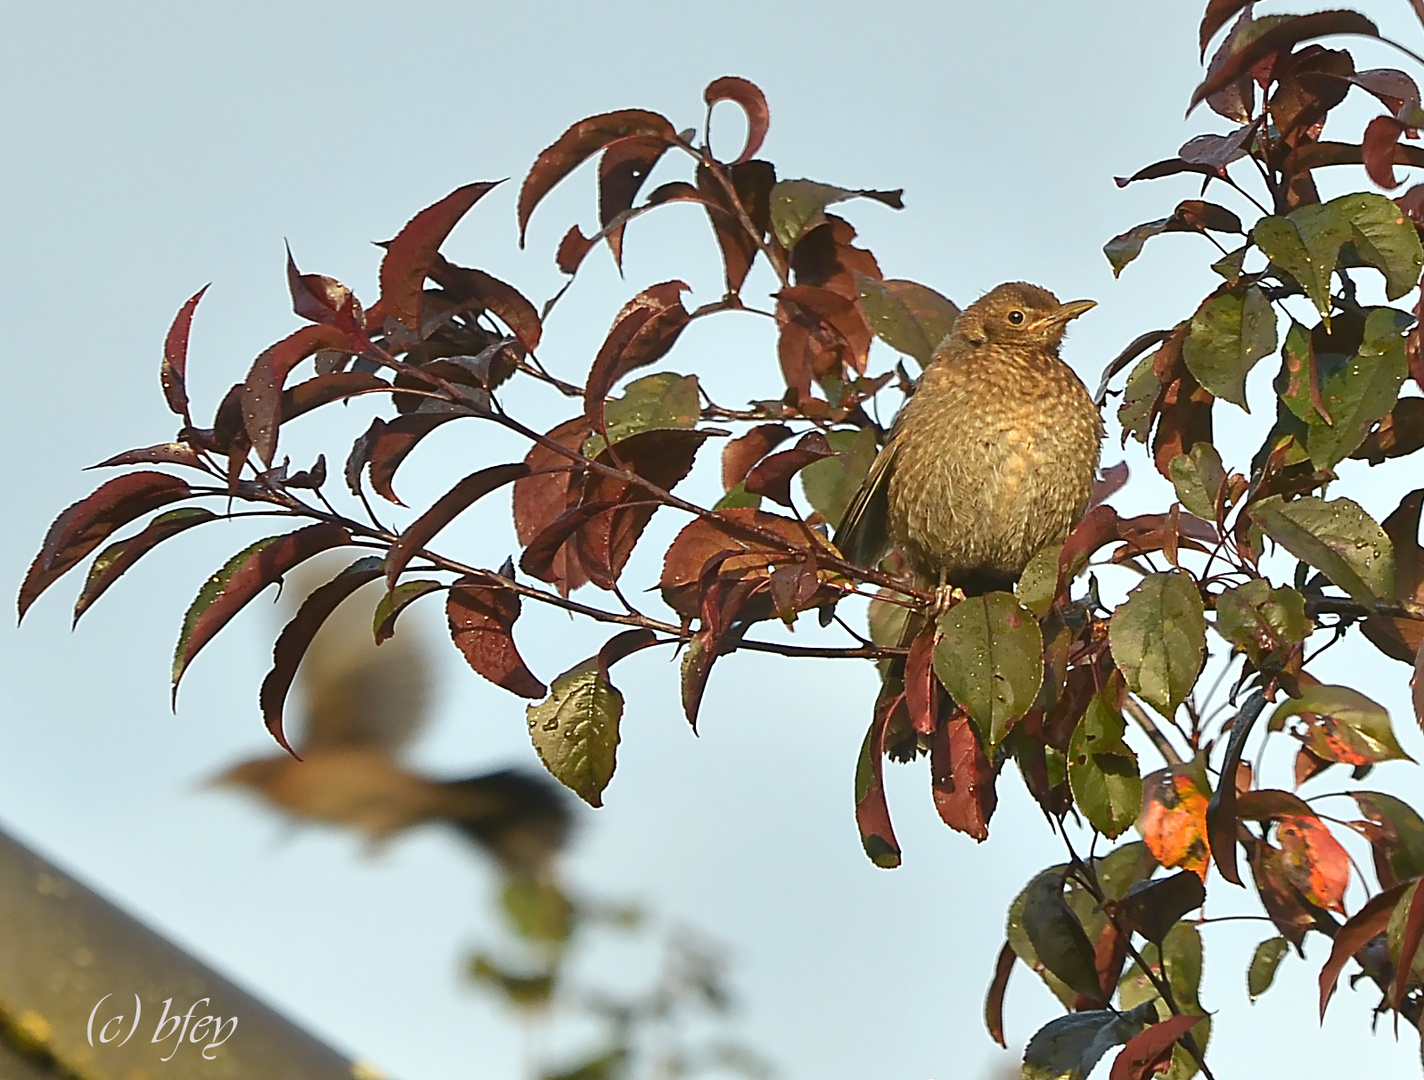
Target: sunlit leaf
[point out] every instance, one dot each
(1337, 538)
(990, 658)
(575, 730)
(1264, 963)
(1229, 334)
(1158, 638)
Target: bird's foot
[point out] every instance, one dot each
(946, 596)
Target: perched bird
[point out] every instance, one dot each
(362, 706)
(991, 459)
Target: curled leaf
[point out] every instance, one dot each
(481, 619)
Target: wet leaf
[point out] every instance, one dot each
(642, 333)
(907, 316)
(173, 453)
(1337, 538)
(481, 619)
(665, 400)
(445, 509)
(962, 778)
(1037, 586)
(1264, 963)
(990, 658)
(579, 143)
(749, 534)
(575, 730)
(831, 484)
(86, 524)
(1361, 726)
(1361, 391)
(1259, 620)
(1229, 333)
(1158, 639)
(174, 370)
(239, 581)
(111, 563)
(262, 391)
(797, 206)
(297, 636)
(1102, 769)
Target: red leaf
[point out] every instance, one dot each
(551, 487)
(994, 1000)
(89, 522)
(1416, 685)
(540, 553)
(445, 509)
(872, 813)
(1377, 149)
(1358, 930)
(481, 621)
(173, 453)
(621, 171)
(921, 686)
(174, 370)
(262, 391)
(753, 102)
(740, 454)
(114, 560)
(1313, 860)
(752, 181)
(1218, 13)
(963, 778)
(1099, 527)
(1221, 819)
(643, 332)
(661, 456)
(240, 580)
(835, 323)
(1280, 38)
(413, 253)
(385, 446)
(623, 645)
(746, 534)
(324, 389)
(578, 144)
(1149, 1049)
(325, 300)
(297, 636)
(501, 299)
(772, 475)
(1109, 484)
(572, 249)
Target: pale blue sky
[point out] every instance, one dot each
(152, 147)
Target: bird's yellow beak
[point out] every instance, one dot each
(1065, 312)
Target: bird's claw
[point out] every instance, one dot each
(946, 596)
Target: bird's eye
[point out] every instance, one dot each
(1016, 317)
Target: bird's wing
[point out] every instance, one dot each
(862, 536)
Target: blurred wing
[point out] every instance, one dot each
(521, 818)
(862, 536)
(354, 692)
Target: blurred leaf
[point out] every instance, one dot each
(575, 730)
(1158, 638)
(1152, 908)
(1102, 769)
(1406, 924)
(524, 991)
(537, 909)
(1374, 918)
(1229, 333)
(1264, 963)
(1181, 964)
(832, 483)
(990, 658)
(1144, 1053)
(1400, 846)
(1337, 538)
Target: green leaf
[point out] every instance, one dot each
(1360, 391)
(1125, 247)
(1311, 264)
(1068, 1048)
(1038, 584)
(1158, 638)
(736, 497)
(520, 989)
(1229, 266)
(1337, 538)
(1406, 849)
(1229, 333)
(1055, 936)
(907, 316)
(1198, 478)
(1264, 962)
(797, 206)
(831, 483)
(1102, 769)
(990, 659)
(1365, 724)
(388, 609)
(1258, 619)
(1384, 238)
(575, 730)
(662, 401)
(537, 910)
(1139, 397)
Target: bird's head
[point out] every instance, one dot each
(1016, 313)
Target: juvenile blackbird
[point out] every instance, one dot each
(992, 458)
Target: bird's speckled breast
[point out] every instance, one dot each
(996, 460)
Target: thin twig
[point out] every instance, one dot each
(1153, 732)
